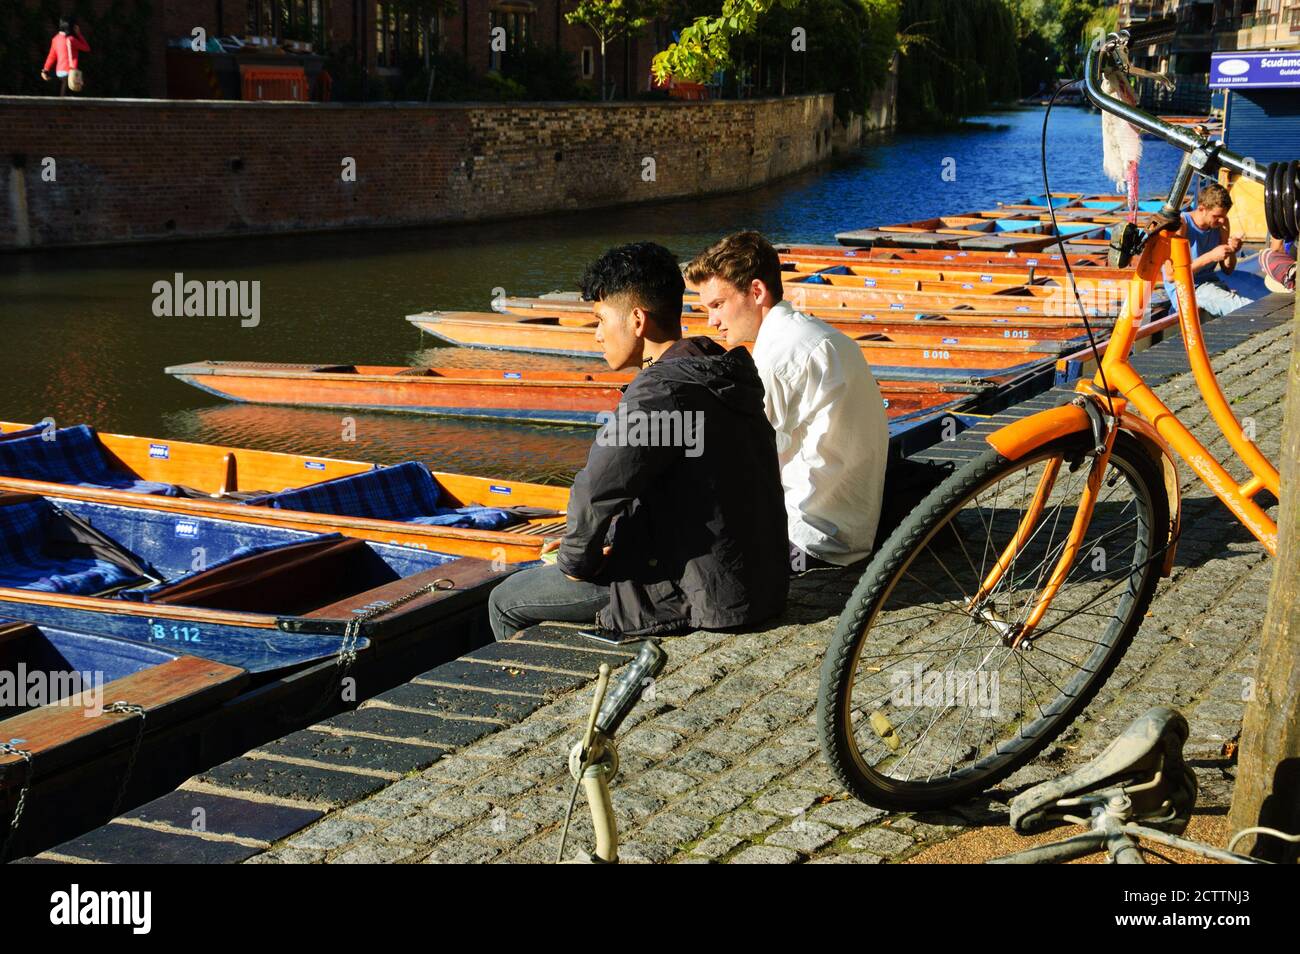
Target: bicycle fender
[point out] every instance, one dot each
(1025, 436)
(1160, 451)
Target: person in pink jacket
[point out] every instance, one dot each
(64, 47)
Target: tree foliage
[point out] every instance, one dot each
(966, 62)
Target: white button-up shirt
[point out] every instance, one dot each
(832, 435)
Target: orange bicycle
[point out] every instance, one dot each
(992, 616)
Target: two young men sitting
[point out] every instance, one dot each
(784, 470)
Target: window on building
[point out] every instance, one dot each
(289, 20)
(518, 27)
(588, 62)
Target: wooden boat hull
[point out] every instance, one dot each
(527, 396)
(82, 673)
(220, 471)
(292, 602)
(803, 294)
(548, 330)
(992, 275)
(514, 332)
(950, 385)
(918, 353)
(920, 256)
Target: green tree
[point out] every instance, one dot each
(610, 19)
(841, 46)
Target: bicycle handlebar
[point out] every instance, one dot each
(1185, 139)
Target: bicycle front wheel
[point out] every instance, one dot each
(927, 696)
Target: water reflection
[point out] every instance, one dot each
(543, 454)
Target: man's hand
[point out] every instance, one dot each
(552, 545)
(45, 76)
(1234, 245)
(1220, 253)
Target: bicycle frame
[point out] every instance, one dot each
(1118, 385)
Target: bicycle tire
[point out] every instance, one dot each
(892, 560)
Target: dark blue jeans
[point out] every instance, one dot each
(543, 593)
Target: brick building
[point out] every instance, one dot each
(1200, 28)
(377, 35)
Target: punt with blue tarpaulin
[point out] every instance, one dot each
(406, 503)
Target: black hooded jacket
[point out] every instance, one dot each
(697, 528)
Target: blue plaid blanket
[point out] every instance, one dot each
(24, 564)
(73, 456)
(405, 492)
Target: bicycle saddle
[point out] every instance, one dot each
(1145, 764)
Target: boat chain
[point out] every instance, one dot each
(352, 631)
(131, 709)
(11, 748)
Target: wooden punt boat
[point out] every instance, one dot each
(954, 271)
(1013, 233)
(926, 389)
(65, 681)
(816, 291)
(849, 277)
(919, 353)
(541, 397)
(844, 276)
(906, 345)
(258, 598)
(567, 330)
(926, 256)
(406, 504)
(69, 678)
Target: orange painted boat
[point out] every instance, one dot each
(920, 350)
(579, 398)
(988, 274)
(816, 291)
(542, 317)
(927, 256)
(235, 483)
(543, 397)
(1009, 233)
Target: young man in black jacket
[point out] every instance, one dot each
(678, 519)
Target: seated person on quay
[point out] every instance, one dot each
(663, 535)
(832, 433)
(1206, 228)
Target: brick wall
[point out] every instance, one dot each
(132, 170)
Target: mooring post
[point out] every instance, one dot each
(1268, 767)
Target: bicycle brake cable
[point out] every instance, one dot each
(1065, 258)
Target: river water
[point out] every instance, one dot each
(81, 342)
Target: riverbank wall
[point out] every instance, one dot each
(107, 171)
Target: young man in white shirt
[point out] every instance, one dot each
(832, 435)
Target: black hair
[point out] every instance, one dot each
(67, 24)
(645, 271)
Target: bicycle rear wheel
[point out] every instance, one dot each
(923, 700)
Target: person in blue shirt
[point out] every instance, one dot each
(1206, 228)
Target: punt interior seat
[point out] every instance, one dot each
(70, 455)
(405, 492)
(39, 551)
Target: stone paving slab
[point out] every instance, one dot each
(720, 763)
